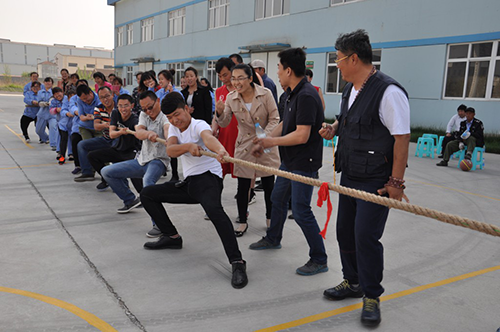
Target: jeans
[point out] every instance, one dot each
(116, 176)
(41, 124)
(360, 226)
(301, 208)
(87, 145)
(204, 189)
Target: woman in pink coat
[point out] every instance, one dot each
(250, 104)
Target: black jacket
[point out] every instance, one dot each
(476, 130)
(202, 103)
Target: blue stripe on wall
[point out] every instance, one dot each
(193, 2)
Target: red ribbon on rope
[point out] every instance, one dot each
(323, 195)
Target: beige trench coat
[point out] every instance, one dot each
(265, 112)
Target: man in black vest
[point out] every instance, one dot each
(374, 134)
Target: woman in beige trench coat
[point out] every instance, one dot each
(250, 104)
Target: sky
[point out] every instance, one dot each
(73, 22)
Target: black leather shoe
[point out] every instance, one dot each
(239, 279)
(370, 315)
(165, 242)
(240, 233)
(343, 290)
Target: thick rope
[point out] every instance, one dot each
(391, 203)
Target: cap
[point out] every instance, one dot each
(258, 64)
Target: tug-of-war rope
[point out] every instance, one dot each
(369, 197)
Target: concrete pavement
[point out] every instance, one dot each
(87, 271)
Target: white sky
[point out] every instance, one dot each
(74, 22)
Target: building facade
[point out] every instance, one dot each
(18, 58)
(445, 53)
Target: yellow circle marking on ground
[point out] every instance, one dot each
(87, 316)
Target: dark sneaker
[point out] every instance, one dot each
(343, 290)
(467, 156)
(154, 232)
(53, 148)
(164, 242)
(40, 141)
(127, 208)
(442, 163)
(239, 278)
(291, 216)
(370, 315)
(440, 156)
(70, 157)
(84, 177)
(102, 186)
(311, 268)
(76, 171)
(263, 244)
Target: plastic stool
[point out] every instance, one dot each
(425, 147)
(477, 157)
(327, 142)
(433, 136)
(439, 147)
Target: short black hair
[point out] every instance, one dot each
(104, 88)
(36, 83)
(238, 57)
(171, 102)
(295, 59)
(471, 110)
(70, 90)
(34, 72)
(148, 93)
(100, 75)
(224, 62)
(56, 90)
(118, 79)
(48, 79)
(82, 81)
(462, 108)
(64, 69)
(167, 74)
(138, 73)
(83, 89)
(75, 75)
(126, 97)
(355, 42)
(309, 73)
(191, 69)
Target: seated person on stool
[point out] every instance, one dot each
(453, 127)
(471, 134)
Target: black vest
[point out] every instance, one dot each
(365, 147)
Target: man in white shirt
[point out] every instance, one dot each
(202, 184)
(453, 127)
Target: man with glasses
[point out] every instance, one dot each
(374, 135)
(150, 164)
(101, 116)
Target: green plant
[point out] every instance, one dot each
(84, 74)
(7, 74)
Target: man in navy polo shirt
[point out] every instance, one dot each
(301, 149)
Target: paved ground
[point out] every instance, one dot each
(86, 268)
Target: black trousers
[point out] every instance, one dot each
(63, 143)
(99, 158)
(204, 189)
(25, 122)
(242, 196)
(75, 139)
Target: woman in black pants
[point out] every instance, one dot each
(197, 97)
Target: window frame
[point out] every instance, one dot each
(179, 72)
(215, 9)
(493, 58)
(129, 72)
(212, 76)
(343, 2)
(130, 33)
(262, 16)
(119, 36)
(147, 29)
(377, 64)
(180, 14)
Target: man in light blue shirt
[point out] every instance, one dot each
(86, 102)
(34, 78)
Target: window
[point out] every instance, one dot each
(473, 71)
(336, 2)
(108, 67)
(130, 76)
(72, 64)
(147, 29)
(90, 65)
(218, 11)
(179, 72)
(212, 76)
(271, 8)
(119, 37)
(177, 22)
(334, 81)
(130, 34)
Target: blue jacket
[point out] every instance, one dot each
(75, 120)
(43, 113)
(61, 121)
(27, 88)
(122, 92)
(84, 108)
(30, 111)
(162, 93)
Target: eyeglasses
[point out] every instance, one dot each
(106, 97)
(343, 58)
(150, 108)
(239, 79)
